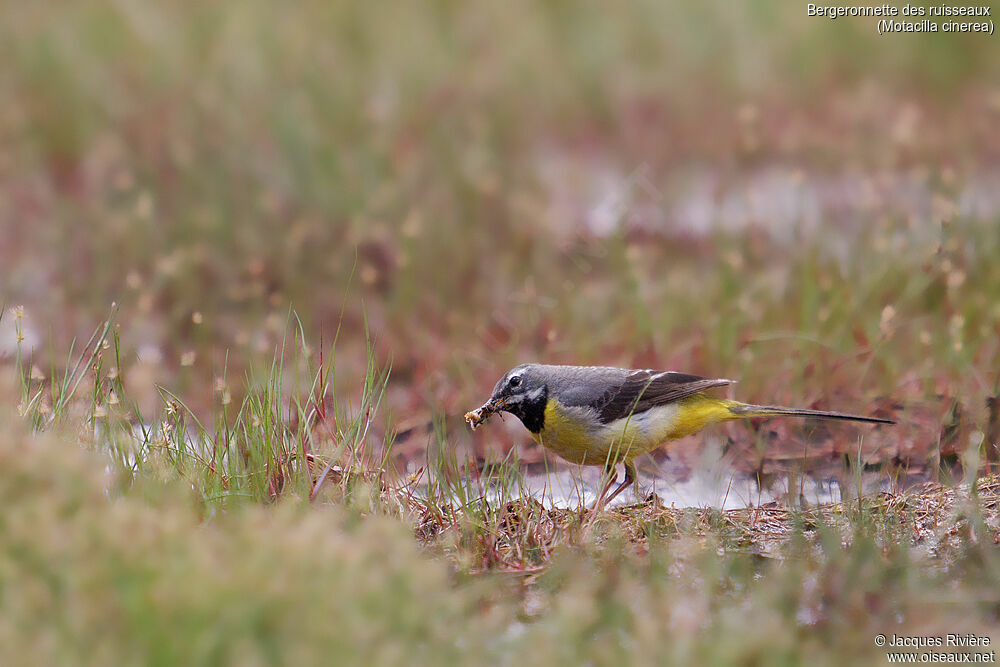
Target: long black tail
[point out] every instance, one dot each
(747, 410)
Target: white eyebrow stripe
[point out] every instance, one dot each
(529, 396)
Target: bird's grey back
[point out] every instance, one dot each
(580, 385)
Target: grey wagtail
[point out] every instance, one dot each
(594, 415)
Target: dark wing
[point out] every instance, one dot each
(642, 390)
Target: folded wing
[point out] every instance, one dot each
(645, 389)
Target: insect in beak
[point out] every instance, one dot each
(484, 412)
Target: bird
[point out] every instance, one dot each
(603, 415)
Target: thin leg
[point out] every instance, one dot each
(609, 472)
(630, 478)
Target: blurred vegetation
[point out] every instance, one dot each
(286, 204)
(206, 167)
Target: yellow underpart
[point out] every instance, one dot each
(698, 411)
(575, 435)
(568, 435)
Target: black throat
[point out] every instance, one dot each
(531, 411)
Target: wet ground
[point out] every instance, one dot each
(711, 480)
(717, 485)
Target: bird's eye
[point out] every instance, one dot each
(514, 381)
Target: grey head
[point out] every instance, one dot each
(524, 390)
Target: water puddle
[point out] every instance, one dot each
(719, 488)
(701, 477)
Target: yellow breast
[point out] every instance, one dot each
(566, 433)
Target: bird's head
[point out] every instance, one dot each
(521, 391)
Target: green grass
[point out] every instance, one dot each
(327, 223)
